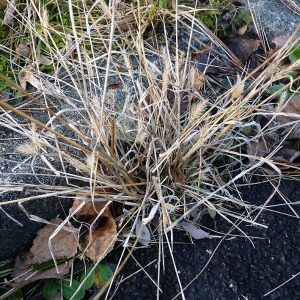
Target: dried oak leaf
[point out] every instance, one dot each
(241, 45)
(102, 237)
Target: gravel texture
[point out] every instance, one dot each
(240, 268)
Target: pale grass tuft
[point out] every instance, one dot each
(45, 22)
(129, 146)
(171, 207)
(78, 164)
(141, 136)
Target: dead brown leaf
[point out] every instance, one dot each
(205, 61)
(197, 79)
(63, 244)
(177, 175)
(257, 149)
(38, 263)
(26, 50)
(5, 95)
(102, 239)
(91, 208)
(241, 45)
(25, 273)
(26, 75)
(291, 113)
(9, 13)
(102, 236)
(279, 42)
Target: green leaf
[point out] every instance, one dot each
(103, 275)
(50, 288)
(68, 291)
(294, 53)
(275, 88)
(47, 264)
(89, 279)
(293, 74)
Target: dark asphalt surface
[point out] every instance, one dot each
(239, 269)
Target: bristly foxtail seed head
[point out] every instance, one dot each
(197, 110)
(32, 148)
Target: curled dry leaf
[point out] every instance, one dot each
(257, 148)
(145, 236)
(102, 237)
(205, 61)
(92, 206)
(279, 42)
(38, 264)
(196, 233)
(9, 13)
(291, 113)
(197, 80)
(27, 76)
(241, 45)
(177, 175)
(25, 49)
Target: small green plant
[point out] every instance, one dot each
(98, 276)
(291, 83)
(69, 286)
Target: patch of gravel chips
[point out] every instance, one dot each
(240, 268)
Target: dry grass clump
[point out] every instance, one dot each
(111, 117)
